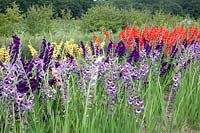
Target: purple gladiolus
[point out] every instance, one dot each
(1, 64)
(83, 49)
(164, 64)
(136, 55)
(130, 58)
(44, 45)
(121, 49)
(174, 51)
(176, 80)
(57, 64)
(147, 47)
(70, 57)
(99, 50)
(92, 48)
(108, 50)
(159, 47)
(34, 84)
(22, 86)
(15, 47)
(137, 41)
(163, 71)
(48, 55)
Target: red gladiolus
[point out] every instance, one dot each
(128, 31)
(107, 36)
(153, 36)
(121, 35)
(141, 41)
(134, 32)
(114, 45)
(97, 40)
(168, 50)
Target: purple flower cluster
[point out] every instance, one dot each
(109, 48)
(137, 103)
(15, 48)
(165, 66)
(111, 91)
(61, 72)
(154, 56)
(174, 51)
(99, 50)
(10, 92)
(21, 77)
(49, 92)
(194, 51)
(172, 96)
(147, 47)
(135, 55)
(121, 49)
(92, 48)
(144, 69)
(112, 73)
(83, 49)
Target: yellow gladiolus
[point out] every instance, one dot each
(34, 52)
(4, 55)
(57, 49)
(71, 47)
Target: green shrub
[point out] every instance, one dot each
(66, 14)
(104, 16)
(10, 21)
(38, 19)
(140, 18)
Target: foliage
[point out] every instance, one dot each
(9, 22)
(174, 7)
(65, 14)
(108, 17)
(105, 16)
(38, 19)
(79, 7)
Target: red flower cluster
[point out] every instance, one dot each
(154, 35)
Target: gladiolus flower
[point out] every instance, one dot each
(107, 36)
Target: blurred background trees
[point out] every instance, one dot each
(79, 7)
(20, 16)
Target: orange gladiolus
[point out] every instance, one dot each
(156, 34)
(97, 40)
(114, 45)
(107, 36)
(134, 32)
(168, 50)
(121, 35)
(128, 31)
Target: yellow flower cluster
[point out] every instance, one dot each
(57, 53)
(4, 55)
(88, 49)
(34, 52)
(102, 44)
(72, 48)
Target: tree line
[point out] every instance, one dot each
(79, 7)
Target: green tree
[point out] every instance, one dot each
(105, 16)
(38, 19)
(9, 22)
